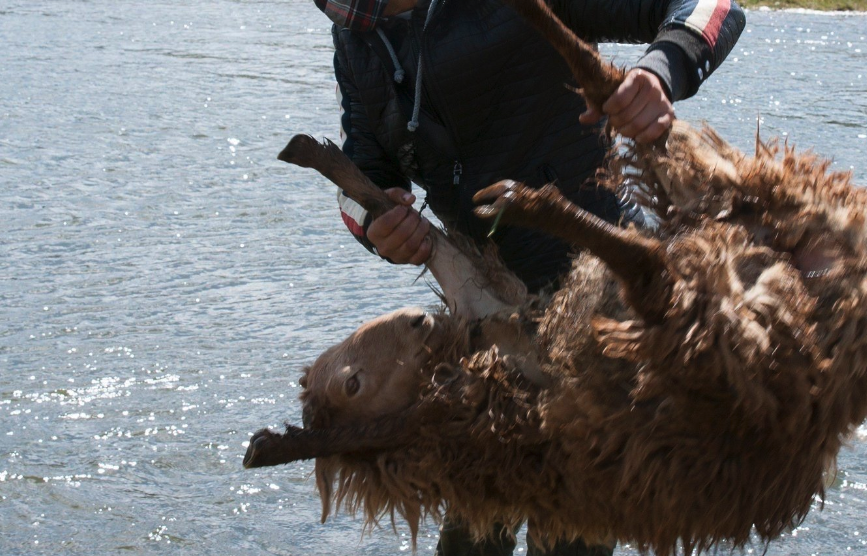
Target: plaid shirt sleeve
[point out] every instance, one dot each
(356, 15)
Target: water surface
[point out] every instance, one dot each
(164, 278)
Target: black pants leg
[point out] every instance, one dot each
(455, 540)
(577, 548)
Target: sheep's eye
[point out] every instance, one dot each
(352, 385)
(418, 321)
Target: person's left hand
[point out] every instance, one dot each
(638, 109)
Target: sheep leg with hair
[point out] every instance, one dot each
(598, 78)
(327, 159)
(268, 448)
(467, 289)
(638, 261)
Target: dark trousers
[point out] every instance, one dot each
(455, 540)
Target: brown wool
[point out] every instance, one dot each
(683, 386)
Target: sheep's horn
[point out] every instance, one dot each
(272, 448)
(598, 79)
(327, 159)
(638, 261)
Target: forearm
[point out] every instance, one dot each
(696, 38)
(360, 145)
(689, 38)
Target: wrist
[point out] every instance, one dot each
(680, 59)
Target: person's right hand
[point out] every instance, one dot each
(401, 234)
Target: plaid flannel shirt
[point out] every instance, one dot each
(357, 15)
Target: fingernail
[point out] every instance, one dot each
(407, 197)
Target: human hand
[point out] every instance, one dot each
(401, 234)
(638, 109)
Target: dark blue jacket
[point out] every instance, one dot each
(495, 104)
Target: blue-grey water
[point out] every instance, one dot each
(163, 278)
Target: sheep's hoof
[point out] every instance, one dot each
(498, 200)
(515, 203)
(262, 448)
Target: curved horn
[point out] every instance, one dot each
(598, 79)
(327, 159)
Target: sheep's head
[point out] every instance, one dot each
(376, 371)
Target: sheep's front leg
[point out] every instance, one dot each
(544, 209)
(638, 261)
(269, 448)
(391, 431)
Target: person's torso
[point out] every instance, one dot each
(496, 104)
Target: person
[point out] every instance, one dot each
(455, 95)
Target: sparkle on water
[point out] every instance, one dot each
(164, 278)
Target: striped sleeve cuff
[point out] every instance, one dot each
(693, 43)
(354, 215)
(356, 218)
(707, 19)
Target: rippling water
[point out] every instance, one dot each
(164, 278)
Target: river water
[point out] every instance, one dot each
(164, 278)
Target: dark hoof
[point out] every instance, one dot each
(496, 198)
(301, 150)
(260, 452)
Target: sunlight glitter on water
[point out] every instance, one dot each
(133, 372)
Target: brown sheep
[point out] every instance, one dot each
(691, 385)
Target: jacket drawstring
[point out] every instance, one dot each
(413, 123)
(399, 73)
(398, 70)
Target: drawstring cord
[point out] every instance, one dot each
(413, 123)
(399, 74)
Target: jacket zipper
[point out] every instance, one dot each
(424, 48)
(549, 174)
